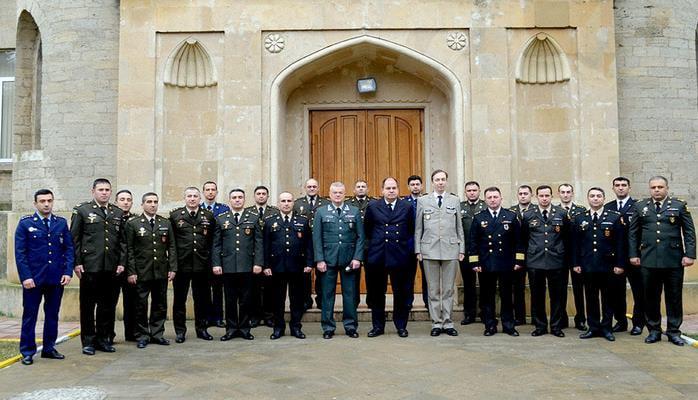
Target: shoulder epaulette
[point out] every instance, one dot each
(174, 210)
(480, 211)
(271, 216)
(26, 216)
(612, 212)
(82, 204)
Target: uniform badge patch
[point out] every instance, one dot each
(557, 228)
(672, 219)
(180, 223)
(141, 231)
(483, 224)
(506, 227)
(226, 224)
(92, 217)
(300, 235)
(32, 229)
(427, 216)
(607, 232)
(248, 231)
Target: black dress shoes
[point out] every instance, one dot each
(676, 339)
(467, 321)
(352, 333)
(162, 341)
(539, 332)
(559, 333)
(227, 336)
(247, 336)
(511, 332)
(327, 334)
(580, 326)
(53, 354)
(88, 350)
(435, 331)
(142, 344)
(490, 331)
(297, 333)
(276, 335)
(451, 331)
(609, 336)
(375, 332)
(180, 338)
(402, 333)
(27, 360)
(620, 327)
(107, 348)
(653, 337)
(587, 335)
(637, 330)
(204, 335)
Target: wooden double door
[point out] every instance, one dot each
(347, 145)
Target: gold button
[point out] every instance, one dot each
(659, 232)
(155, 258)
(106, 248)
(657, 240)
(154, 242)
(49, 261)
(107, 239)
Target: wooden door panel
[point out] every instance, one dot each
(347, 145)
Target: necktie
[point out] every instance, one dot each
(339, 210)
(261, 211)
(595, 218)
(152, 223)
(286, 219)
(620, 205)
(104, 211)
(312, 201)
(209, 207)
(494, 215)
(45, 221)
(545, 215)
(237, 218)
(192, 213)
(567, 208)
(658, 206)
(392, 206)
(440, 200)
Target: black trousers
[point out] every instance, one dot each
(671, 281)
(293, 284)
(199, 287)
(96, 308)
(488, 289)
(153, 326)
(237, 301)
(619, 302)
(412, 276)
(518, 279)
(556, 282)
(469, 292)
(376, 286)
(599, 314)
(215, 286)
(120, 285)
(262, 298)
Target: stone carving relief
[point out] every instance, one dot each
(542, 61)
(274, 43)
(190, 66)
(456, 41)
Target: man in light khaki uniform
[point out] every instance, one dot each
(438, 241)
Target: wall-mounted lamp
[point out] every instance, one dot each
(366, 85)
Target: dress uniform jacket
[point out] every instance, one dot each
(492, 243)
(302, 207)
(193, 237)
(438, 230)
(600, 247)
(388, 234)
(151, 251)
(216, 208)
(519, 210)
(287, 247)
(237, 247)
(338, 238)
(656, 237)
(545, 244)
(269, 210)
(573, 211)
(98, 238)
(361, 204)
(43, 254)
(467, 213)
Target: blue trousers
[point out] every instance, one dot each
(52, 295)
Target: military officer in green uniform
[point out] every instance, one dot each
(193, 232)
(662, 241)
(152, 262)
(338, 245)
(262, 292)
(306, 206)
(100, 256)
(566, 193)
(238, 252)
(468, 208)
(124, 200)
(360, 200)
(523, 194)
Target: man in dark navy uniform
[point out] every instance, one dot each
(389, 225)
(215, 313)
(288, 257)
(523, 195)
(598, 252)
(468, 208)
(492, 253)
(566, 193)
(414, 182)
(44, 256)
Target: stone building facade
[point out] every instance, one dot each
(158, 95)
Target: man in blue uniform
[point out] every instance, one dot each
(414, 182)
(338, 247)
(492, 244)
(389, 226)
(598, 252)
(288, 258)
(215, 312)
(44, 258)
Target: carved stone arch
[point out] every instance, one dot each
(28, 83)
(190, 65)
(542, 61)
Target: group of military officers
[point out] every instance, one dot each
(249, 258)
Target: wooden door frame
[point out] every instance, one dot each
(308, 108)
